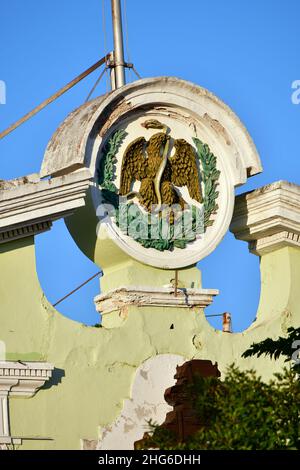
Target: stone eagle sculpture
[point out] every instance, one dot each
(150, 163)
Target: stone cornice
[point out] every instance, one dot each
(153, 297)
(29, 205)
(268, 218)
(18, 379)
(23, 378)
(27, 231)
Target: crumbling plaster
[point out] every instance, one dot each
(95, 367)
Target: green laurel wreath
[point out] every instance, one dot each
(209, 174)
(107, 168)
(160, 243)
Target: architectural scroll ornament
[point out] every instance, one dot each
(159, 211)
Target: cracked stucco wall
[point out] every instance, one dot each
(95, 367)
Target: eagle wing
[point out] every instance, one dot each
(184, 169)
(134, 164)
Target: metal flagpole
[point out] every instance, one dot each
(119, 65)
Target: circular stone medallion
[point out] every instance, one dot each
(165, 155)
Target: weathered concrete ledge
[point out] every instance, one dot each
(144, 296)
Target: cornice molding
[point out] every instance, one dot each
(18, 379)
(268, 218)
(23, 232)
(29, 205)
(153, 297)
(23, 378)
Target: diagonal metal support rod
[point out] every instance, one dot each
(78, 287)
(56, 95)
(95, 85)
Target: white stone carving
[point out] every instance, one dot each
(28, 205)
(153, 297)
(268, 218)
(19, 379)
(189, 111)
(147, 402)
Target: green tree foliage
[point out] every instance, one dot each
(243, 412)
(240, 413)
(286, 347)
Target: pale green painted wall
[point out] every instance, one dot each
(99, 363)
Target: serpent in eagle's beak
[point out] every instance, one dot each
(155, 124)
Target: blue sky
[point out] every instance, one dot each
(247, 52)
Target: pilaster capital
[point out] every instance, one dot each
(268, 218)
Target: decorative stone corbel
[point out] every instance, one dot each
(268, 218)
(18, 379)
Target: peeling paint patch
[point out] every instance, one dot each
(142, 411)
(122, 108)
(217, 127)
(146, 402)
(144, 374)
(88, 444)
(128, 427)
(196, 340)
(286, 321)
